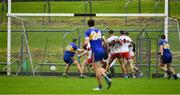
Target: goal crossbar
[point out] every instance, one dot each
(79, 14)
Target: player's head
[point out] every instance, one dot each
(91, 23)
(111, 32)
(74, 40)
(163, 37)
(126, 33)
(122, 32)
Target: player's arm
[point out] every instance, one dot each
(86, 41)
(104, 40)
(85, 44)
(119, 41)
(131, 44)
(129, 41)
(108, 45)
(80, 50)
(161, 49)
(82, 53)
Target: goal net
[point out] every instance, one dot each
(48, 34)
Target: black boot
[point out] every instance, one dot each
(169, 74)
(175, 76)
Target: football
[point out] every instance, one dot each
(53, 68)
(178, 75)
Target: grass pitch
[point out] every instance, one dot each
(74, 85)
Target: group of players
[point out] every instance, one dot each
(101, 53)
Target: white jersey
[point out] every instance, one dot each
(89, 51)
(125, 43)
(115, 48)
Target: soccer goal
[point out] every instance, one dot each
(42, 36)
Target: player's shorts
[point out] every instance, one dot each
(125, 55)
(98, 54)
(167, 59)
(115, 55)
(68, 59)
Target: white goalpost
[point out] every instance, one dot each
(10, 15)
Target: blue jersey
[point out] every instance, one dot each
(166, 49)
(95, 37)
(166, 57)
(70, 50)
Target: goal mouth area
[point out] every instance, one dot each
(11, 14)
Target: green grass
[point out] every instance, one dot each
(73, 85)
(3, 40)
(113, 6)
(98, 7)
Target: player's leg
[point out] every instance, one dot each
(172, 71)
(123, 67)
(164, 68)
(68, 60)
(112, 70)
(123, 62)
(104, 63)
(168, 61)
(96, 67)
(83, 65)
(66, 70)
(131, 66)
(162, 64)
(106, 77)
(98, 57)
(110, 60)
(103, 69)
(79, 68)
(164, 61)
(136, 69)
